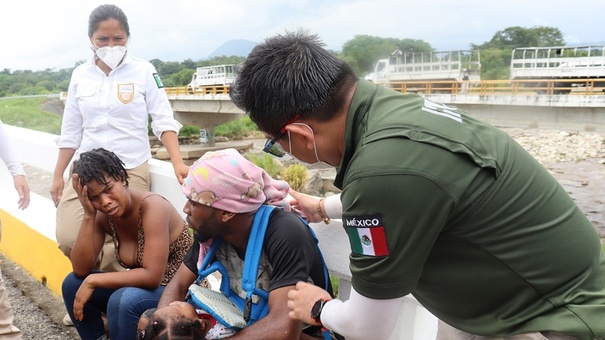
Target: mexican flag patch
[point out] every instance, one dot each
(366, 235)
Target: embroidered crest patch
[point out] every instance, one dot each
(126, 92)
(158, 81)
(366, 235)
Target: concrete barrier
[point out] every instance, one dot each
(29, 235)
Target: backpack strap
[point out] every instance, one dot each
(210, 265)
(252, 260)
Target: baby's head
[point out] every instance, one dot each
(181, 321)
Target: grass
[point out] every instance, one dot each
(268, 163)
(296, 176)
(238, 129)
(28, 113)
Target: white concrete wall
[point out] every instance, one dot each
(36, 149)
(40, 150)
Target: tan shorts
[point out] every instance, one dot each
(8, 331)
(447, 332)
(70, 214)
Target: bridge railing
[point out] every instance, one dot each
(514, 87)
(203, 90)
(525, 87)
(25, 230)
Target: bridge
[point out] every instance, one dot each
(577, 104)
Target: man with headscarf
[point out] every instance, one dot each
(224, 192)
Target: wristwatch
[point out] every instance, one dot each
(316, 310)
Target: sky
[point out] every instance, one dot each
(41, 34)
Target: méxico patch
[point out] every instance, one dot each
(366, 235)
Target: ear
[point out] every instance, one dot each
(302, 131)
(225, 216)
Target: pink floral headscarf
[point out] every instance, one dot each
(226, 180)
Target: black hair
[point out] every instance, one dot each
(105, 12)
(288, 74)
(172, 328)
(96, 164)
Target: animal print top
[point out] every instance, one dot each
(176, 250)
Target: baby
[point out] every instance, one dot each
(180, 320)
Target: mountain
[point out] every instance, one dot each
(238, 47)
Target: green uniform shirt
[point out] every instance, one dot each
(454, 211)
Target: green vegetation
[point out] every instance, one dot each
(363, 51)
(27, 113)
(335, 281)
(25, 83)
(296, 176)
(496, 54)
(266, 162)
(237, 129)
(189, 131)
(179, 74)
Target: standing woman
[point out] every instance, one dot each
(151, 240)
(8, 331)
(108, 103)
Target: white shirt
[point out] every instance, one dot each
(111, 111)
(8, 155)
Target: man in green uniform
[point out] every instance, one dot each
(435, 203)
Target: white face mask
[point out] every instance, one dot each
(317, 165)
(111, 56)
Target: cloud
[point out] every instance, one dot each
(41, 34)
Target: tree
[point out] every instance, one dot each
(549, 36)
(363, 51)
(495, 64)
(181, 78)
(516, 36)
(189, 63)
(156, 63)
(496, 53)
(221, 60)
(168, 68)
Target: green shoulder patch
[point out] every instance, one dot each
(158, 81)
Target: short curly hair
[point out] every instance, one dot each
(96, 164)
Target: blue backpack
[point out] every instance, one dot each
(236, 313)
